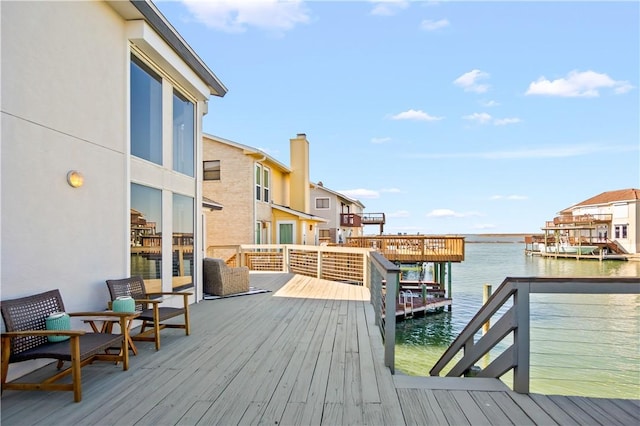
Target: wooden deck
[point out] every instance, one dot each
(306, 353)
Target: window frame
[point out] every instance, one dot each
(206, 173)
(266, 184)
(323, 199)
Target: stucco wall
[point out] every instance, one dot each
(64, 68)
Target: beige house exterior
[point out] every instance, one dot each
(263, 201)
(343, 214)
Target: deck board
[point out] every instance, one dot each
(308, 353)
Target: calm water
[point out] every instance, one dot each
(587, 345)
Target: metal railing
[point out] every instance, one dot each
(514, 324)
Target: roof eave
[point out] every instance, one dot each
(159, 23)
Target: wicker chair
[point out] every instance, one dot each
(148, 305)
(222, 280)
(27, 338)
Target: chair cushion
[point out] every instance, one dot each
(90, 344)
(164, 313)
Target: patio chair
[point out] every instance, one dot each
(219, 279)
(149, 306)
(27, 338)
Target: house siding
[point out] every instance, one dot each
(235, 190)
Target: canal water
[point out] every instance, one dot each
(584, 345)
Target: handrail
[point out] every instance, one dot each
(384, 279)
(342, 264)
(516, 321)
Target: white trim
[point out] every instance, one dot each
(155, 49)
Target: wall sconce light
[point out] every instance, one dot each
(75, 178)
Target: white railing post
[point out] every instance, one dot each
(319, 262)
(285, 258)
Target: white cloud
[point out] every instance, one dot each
(480, 117)
(449, 213)
(509, 197)
(430, 25)
(489, 104)
(505, 121)
(360, 193)
(484, 118)
(415, 115)
(380, 140)
(469, 81)
(236, 16)
(576, 84)
(388, 7)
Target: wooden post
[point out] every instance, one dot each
(486, 293)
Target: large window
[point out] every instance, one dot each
(263, 183)
(183, 244)
(183, 135)
(146, 232)
(146, 112)
(211, 170)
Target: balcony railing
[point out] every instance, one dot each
(578, 220)
(350, 220)
(414, 248)
(373, 219)
(511, 331)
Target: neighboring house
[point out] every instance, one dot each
(610, 219)
(265, 202)
(108, 89)
(343, 214)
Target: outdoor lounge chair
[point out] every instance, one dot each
(222, 280)
(27, 338)
(148, 305)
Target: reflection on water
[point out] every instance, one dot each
(580, 344)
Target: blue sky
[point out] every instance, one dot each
(449, 117)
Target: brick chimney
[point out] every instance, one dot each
(300, 192)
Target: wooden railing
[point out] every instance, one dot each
(582, 219)
(350, 220)
(414, 248)
(514, 324)
(342, 264)
(384, 279)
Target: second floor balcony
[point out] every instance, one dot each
(350, 220)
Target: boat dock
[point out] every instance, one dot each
(308, 352)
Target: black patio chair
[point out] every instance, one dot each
(27, 338)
